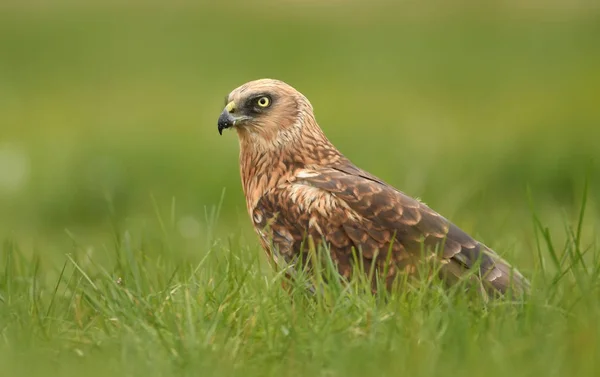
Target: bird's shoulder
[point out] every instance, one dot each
(344, 185)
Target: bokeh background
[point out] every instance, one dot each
(108, 110)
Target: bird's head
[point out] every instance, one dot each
(266, 111)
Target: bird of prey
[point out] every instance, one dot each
(301, 192)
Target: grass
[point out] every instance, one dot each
(224, 313)
(126, 246)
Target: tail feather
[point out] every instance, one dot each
(494, 274)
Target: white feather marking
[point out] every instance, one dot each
(306, 174)
(309, 198)
(304, 195)
(312, 223)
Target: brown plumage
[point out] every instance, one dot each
(301, 191)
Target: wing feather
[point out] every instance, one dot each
(349, 209)
(457, 245)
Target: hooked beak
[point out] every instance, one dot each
(228, 119)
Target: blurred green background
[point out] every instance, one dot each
(108, 111)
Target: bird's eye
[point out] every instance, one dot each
(264, 102)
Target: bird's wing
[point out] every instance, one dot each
(349, 208)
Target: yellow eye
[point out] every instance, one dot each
(264, 101)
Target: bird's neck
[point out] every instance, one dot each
(263, 168)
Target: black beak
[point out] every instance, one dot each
(225, 121)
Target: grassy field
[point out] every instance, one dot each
(126, 246)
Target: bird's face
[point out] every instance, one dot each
(262, 110)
